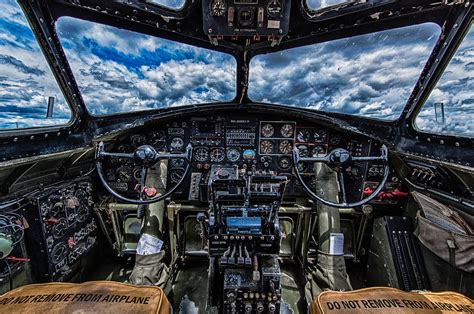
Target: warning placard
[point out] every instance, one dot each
(390, 300)
(89, 297)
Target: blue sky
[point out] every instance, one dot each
(119, 71)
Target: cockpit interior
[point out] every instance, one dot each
(241, 156)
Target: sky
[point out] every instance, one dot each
(121, 71)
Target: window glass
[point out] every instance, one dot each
(369, 75)
(120, 71)
(27, 84)
(172, 4)
(450, 106)
(321, 4)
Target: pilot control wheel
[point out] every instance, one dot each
(145, 157)
(339, 159)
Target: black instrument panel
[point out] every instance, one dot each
(254, 143)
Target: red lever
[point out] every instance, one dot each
(150, 191)
(52, 221)
(17, 259)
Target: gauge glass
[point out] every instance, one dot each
(286, 130)
(124, 174)
(217, 154)
(285, 147)
(177, 162)
(268, 130)
(177, 143)
(158, 140)
(137, 173)
(137, 140)
(318, 151)
(303, 150)
(335, 140)
(176, 175)
(320, 136)
(303, 136)
(284, 163)
(201, 154)
(248, 154)
(233, 154)
(266, 147)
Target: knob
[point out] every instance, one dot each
(248, 307)
(260, 307)
(271, 307)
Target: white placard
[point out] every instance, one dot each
(336, 244)
(148, 245)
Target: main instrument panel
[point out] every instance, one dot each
(261, 144)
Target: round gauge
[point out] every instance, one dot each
(137, 173)
(201, 154)
(285, 147)
(158, 140)
(233, 154)
(59, 252)
(320, 136)
(137, 140)
(177, 163)
(303, 136)
(318, 151)
(303, 150)
(274, 8)
(217, 154)
(82, 213)
(176, 144)
(176, 175)
(248, 154)
(60, 228)
(266, 147)
(284, 163)
(124, 148)
(268, 130)
(334, 140)
(124, 174)
(56, 209)
(286, 130)
(218, 7)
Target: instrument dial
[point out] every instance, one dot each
(176, 175)
(284, 163)
(217, 154)
(268, 130)
(177, 163)
(303, 150)
(318, 151)
(201, 154)
(158, 140)
(137, 140)
(266, 147)
(233, 154)
(285, 147)
(124, 174)
(335, 140)
(177, 143)
(287, 130)
(320, 136)
(303, 136)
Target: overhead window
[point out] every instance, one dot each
(29, 93)
(450, 106)
(172, 4)
(370, 75)
(121, 71)
(321, 4)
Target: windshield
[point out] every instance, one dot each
(369, 75)
(121, 71)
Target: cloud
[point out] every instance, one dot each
(370, 75)
(120, 71)
(26, 82)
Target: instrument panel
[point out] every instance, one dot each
(251, 143)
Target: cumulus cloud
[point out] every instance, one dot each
(119, 71)
(370, 75)
(26, 82)
(454, 94)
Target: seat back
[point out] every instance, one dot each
(88, 297)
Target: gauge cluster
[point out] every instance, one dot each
(251, 143)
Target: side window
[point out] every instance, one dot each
(29, 93)
(450, 107)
